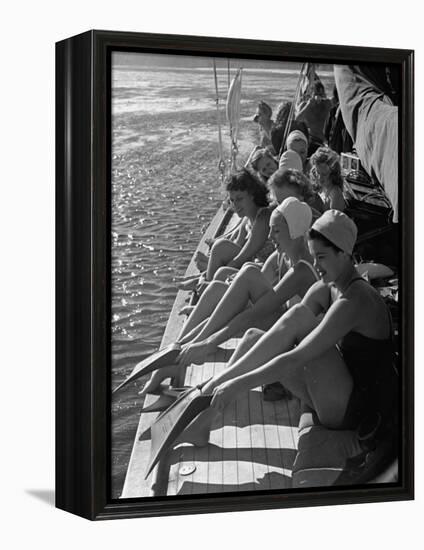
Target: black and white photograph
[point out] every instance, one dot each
(255, 258)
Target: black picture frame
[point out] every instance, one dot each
(82, 273)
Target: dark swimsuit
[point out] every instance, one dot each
(371, 364)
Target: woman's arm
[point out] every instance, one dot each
(296, 281)
(337, 200)
(255, 242)
(270, 269)
(318, 298)
(340, 319)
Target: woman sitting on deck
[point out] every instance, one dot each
(224, 311)
(298, 142)
(340, 366)
(249, 199)
(278, 132)
(326, 178)
(264, 163)
(286, 182)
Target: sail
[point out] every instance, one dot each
(233, 105)
(309, 78)
(233, 113)
(371, 119)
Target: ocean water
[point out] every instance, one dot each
(165, 191)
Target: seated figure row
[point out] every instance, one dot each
(322, 168)
(321, 330)
(250, 200)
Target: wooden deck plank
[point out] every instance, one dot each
(273, 442)
(183, 455)
(135, 485)
(206, 458)
(259, 458)
(214, 448)
(287, 413)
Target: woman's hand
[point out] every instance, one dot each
(224, 394)
(201, 260)
(195, 353)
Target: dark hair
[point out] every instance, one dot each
(282, 113)
(265, 108)
(315, 235)
(242, 180)
(293, 178)
(319, 88)
(325, 155)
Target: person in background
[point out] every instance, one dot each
(314, 113)
(298, 142)
(372, 121)
(336, 135)
(263, 118)
(249, 199)
(279, 130)
(290, 160)
(326, 178)
(286, 182)
(264, 163)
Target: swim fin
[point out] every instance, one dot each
(168, 425)
(162, 358)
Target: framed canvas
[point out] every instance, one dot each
(234, 274)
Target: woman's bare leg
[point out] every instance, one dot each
(248, 285)
(224, 272)
(201, 260)
(189, 284)
(193, 325)
(206, 305)
(260, 347)
(324, 384)
(197, 319)
(198, 431)
(222, 252)
(293, 326)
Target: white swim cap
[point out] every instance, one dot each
(298, 216)
(295, 135)
(338, 229)
(290, 160)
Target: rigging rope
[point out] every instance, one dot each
(233, 114)
(221, 162)
(292, 109)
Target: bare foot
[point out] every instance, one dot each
(198, 431)
(158, 376)
(201, 261)
(190, 284)
(186, 310)
(182, 278)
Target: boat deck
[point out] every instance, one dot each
(252, 445)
